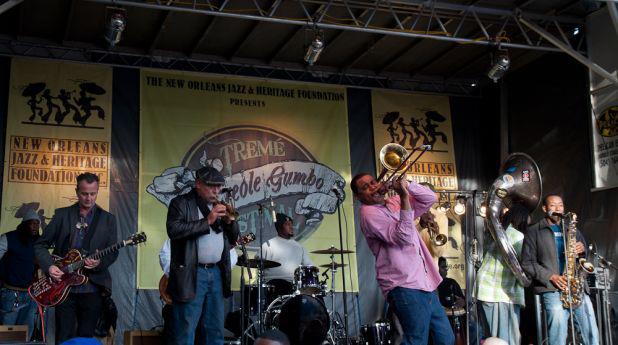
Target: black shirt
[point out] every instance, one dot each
(448, 291)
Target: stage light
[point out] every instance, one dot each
(460, 205)
(114, 28)
(444, 207)
(314, 50)
(576, 31)
(473, 84)
(483, 210)
(500, 66)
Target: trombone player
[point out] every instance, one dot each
(405, 270)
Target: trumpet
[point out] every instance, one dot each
(436, 237)
(427, 221)
(230, 210)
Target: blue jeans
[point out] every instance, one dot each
(206, 309)
(558, 320)
(502, 321)
(17, 308)
(421, 313)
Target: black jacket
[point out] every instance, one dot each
(539, 257)
(102, 233)
(184, 228)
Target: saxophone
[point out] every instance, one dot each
(574, 266)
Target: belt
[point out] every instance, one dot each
(206, 265)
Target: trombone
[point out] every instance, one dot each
(394, 158)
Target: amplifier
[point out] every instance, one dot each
(17, 333)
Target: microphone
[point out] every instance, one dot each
(225, 190)
(475, 254)
(551, 213)
(272, 209)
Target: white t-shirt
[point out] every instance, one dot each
(289, 253)
(165, 256)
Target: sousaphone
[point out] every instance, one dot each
(519, 182)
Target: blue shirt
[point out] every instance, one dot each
(559, 239)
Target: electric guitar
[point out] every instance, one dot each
(47, 292)
(167, 299)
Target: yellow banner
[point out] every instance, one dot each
(58, 126)
(276, 143)
(413, 120)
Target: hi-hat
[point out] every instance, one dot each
(336, 264)
(255, 263)
(332, 250)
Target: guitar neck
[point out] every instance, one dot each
(98, 255)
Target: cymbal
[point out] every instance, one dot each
(337, 265)
(332, 250)
(255, 263)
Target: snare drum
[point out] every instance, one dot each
(377, 333)
(455, 311)
(306, 280)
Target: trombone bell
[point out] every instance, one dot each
(391, 156)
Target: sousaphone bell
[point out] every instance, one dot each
(519, 182)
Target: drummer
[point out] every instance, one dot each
(286, 251)
(449, 290)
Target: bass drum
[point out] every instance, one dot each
(303, 318)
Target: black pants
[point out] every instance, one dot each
(77, 316)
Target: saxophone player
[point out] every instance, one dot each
(544, 260)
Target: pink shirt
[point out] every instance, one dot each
(402, 259)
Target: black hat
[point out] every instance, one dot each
(209, 175)
(281, 218)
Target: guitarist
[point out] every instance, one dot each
(87, 227)
(201, 233)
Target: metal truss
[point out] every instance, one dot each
(239, 67)
(434, 20)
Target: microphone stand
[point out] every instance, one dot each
(260, 272)
(345, 299)
(243, 305)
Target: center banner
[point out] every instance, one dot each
(281, 147)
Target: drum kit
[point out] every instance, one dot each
(303, 314)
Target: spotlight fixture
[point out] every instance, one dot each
(115, 26)
(500, 65)
(460, 205)
(444, 207)
(483, 210)
(314, 50)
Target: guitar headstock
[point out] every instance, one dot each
(135, 239)
(250, 237)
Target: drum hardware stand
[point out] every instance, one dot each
(243, 307)
(334, 332)
(345, 299)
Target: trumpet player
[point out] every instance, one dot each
(544, 260)
(406, 273)
(201, 231)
